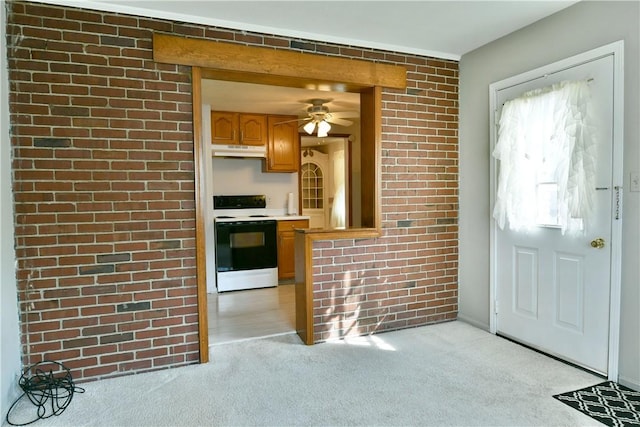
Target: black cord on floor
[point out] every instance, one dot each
(46, 384)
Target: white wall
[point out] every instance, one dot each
(577, 29)
(244, 176)
(9, 341)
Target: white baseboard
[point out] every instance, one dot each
(13, 392)
(631, 383)
(473, 322)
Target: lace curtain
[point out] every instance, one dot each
(547, 160)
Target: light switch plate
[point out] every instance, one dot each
(635, 181)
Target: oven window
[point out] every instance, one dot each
(248, 245)
(246, 240)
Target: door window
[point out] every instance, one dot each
(312, 186)
(546, 149)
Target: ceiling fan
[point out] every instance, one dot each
(320, 118)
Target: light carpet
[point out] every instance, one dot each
(444, 374)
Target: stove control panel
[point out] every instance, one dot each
(240, 202)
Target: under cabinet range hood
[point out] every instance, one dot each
(219, 150)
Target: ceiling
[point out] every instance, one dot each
(253, 98)
(443, 29)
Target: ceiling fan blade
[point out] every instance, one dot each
(339, 122)
(343, 105)
(344, 114)
(295, 120)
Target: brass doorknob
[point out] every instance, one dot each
(597, 243)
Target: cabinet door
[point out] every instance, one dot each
(283, 152)
(286, 247)
(253, 129)
(224, 128)
(286, 256)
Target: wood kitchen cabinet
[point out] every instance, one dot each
(286, 248)
(283, 148)
(238, 128)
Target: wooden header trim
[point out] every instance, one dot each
(268, 62)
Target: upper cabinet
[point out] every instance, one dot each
(279, 134)
(238, 128)
(253, 129)
(224, 128)
(283, 151)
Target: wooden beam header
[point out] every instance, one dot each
(267, 62)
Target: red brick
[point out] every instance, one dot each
(153, 353)
(100, 370)
(138, 365)
(114, 358)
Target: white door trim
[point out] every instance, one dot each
(617, 50)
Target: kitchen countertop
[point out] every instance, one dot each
(290, 217)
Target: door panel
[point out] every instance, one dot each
(552, 290)
(569, 284)
(526, 282)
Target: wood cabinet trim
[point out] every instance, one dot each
(201, 202)
(371, 151)
(235, 59)
(354, 233)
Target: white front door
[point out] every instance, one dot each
(552, 291)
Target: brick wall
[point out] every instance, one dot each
(408, 277)
(104, 195)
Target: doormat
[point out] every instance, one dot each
(610, 403)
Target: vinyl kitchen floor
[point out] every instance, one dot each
(241, 315)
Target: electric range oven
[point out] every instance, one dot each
(246, 245)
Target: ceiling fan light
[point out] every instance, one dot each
(323, 129)
(309, 127)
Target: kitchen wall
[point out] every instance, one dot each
(577, 29)
(245, 176)
(104, 195)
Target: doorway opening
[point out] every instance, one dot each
(311, 72)
(256, 313)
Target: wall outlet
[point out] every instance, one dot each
(635, 181)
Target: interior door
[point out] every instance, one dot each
(553, 290)
(314, 191)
